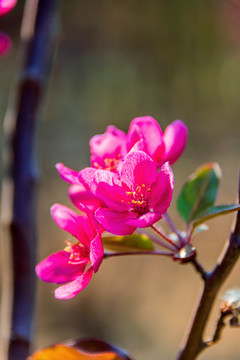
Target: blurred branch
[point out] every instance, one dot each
(38, 35)
(199, 268)
(194, 343)
(218, 330)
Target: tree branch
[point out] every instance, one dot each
(194, 343)
(19, 189)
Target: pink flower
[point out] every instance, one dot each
(175, 140)
(108, 149)
(5, 44)
(162, 147)
(6, 6)
(67, 174)
(137, 197)
(78, 193)
(69, 266)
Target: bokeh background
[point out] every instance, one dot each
(117, 60)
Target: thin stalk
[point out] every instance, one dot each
(172, 226)
(164, 236)
(156, 240)
(219, 329)
(19, 190)
(107, 255)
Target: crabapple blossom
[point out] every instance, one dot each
(137, 197)
(108, 149)
(78, 193)
(161, 146)
(69, 266)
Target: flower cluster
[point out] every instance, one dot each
(128, 186)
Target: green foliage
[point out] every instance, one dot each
(215, 211)
(199, 192)
(135, 242)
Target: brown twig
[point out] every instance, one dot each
(218, 330)
(199, 268)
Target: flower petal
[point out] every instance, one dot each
(175, 139)
(56, 268)
(96, 248)
(68, 220)
(86, 175)
(115, 222)
(102, 176)
(79, 195)
(96, 252)
(67, 174)
(145, 220)
(140, 145)
(138, 168)
(70, 290)
(110, 145)
(106, 186)
(146, 128)
(113, 196)
(162, 189)
(91, 225)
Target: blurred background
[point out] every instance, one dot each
(117, 60)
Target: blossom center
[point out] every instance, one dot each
(78, 253)
(140, 199)
(110, 164)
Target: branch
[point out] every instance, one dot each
(126, 253)
(19, 187)
(194, 343)
(218, 330)
(199, 268)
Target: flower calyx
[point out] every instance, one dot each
(185, 254)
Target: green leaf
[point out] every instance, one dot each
(215, 211)
(135, 242)
(199, 192)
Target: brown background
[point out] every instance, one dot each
(117, 60)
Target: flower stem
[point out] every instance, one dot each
(107, 255)
(172, 226)
(156, 240)
(164, 236)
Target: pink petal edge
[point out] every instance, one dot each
(70, 290)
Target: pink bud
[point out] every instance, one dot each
(6, 6)
(5, 44)
(175, 139)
